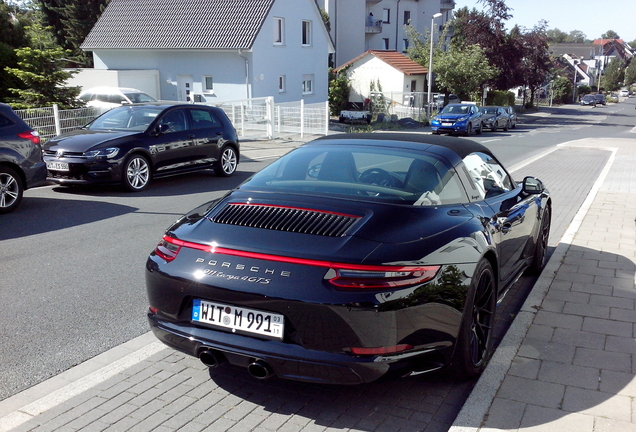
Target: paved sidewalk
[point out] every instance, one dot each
(569, 359)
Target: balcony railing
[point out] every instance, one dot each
(373, 26)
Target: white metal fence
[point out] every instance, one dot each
(253, 118)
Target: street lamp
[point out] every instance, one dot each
(430, 64)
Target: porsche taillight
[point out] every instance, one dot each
(381, 277)
(167, 249)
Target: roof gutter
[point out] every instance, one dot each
(248, 91)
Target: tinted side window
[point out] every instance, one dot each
(489, 177)
(202, 119)
(175, 120)
(5, 121)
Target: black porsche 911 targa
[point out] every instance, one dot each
(351, 258)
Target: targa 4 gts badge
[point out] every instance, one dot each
(252, 274)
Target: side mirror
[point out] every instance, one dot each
(161, 129)
(532, 185)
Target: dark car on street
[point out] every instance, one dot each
(353, 257)
(600, 99)
(133, 144)
(457, 119)
(21, 165)
(588, 100)
(495, 117)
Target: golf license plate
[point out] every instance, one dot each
(237, 318)
(57, 166)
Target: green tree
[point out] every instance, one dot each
(339, 87)
(614, 75)
(577, 36)
(71, 21)
(630, 73)
(562, 90)
(40, 72)
(610, 34)
(463, 70)
(556, 36)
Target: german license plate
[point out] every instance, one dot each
(446, 124)
(57, 166)
(237, 318)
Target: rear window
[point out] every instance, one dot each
(363, 173)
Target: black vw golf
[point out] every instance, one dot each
(133, 144)
(351, 258)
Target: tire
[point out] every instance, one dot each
(469, 129)
(227, 163)
(480, 130)
(507, 126)
(11, 189)
(538, 259)
(474, 344)
(136, 174)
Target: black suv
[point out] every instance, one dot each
(21, 164)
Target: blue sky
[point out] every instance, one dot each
(592, 17)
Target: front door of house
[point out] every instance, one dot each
(184, 88)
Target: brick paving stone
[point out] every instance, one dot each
(579, 338)
(597, 403)
(601, 359)
(543, 350)
(607, 327)
(531, 392)
(541, 419)
(504, 414)
(568, 374)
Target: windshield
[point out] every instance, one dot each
(128, 118)
(456, 109)
(139, 97)
(489, 110)
(362, 173)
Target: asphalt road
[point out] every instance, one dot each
(72, 260)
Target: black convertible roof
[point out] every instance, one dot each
(462, 147)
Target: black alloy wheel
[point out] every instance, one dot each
(227, 163)
(474, 344)
(136, 175)
(538, 260)
(11, 189)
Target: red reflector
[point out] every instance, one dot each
(153, 310)
(32, 136)
(381, 350)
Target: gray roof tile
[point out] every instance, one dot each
(209, 24)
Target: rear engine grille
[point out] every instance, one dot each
(286, 219)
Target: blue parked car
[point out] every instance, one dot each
(457, 118)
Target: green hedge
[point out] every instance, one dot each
(500, 98)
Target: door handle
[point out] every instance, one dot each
(505, 228)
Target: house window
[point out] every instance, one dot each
(407, 17)
(386, 16)
(405, 45)
(208, 84)
(385, 43)
(308, 84)
(279, 31)
(281, 84)
(306, 33)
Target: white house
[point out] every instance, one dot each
(213, 51)
(361, 25)
(398, 76)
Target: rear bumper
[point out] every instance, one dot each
(294, 362)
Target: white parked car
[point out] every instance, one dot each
(110, 97)
(624, 93)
